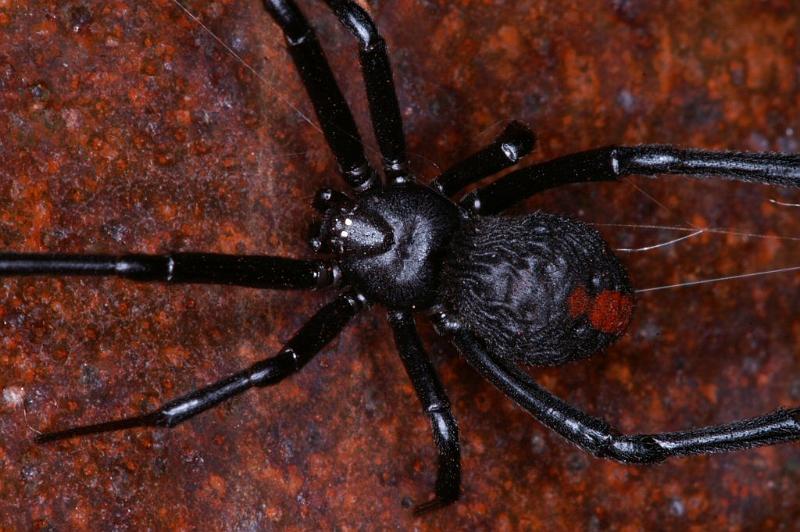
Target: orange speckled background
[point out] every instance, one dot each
(124, 126)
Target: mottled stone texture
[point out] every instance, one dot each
(124, 125)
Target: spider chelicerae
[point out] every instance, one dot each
(538, 289)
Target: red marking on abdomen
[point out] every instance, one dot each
(578, 302)
(611, 311)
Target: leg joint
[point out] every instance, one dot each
(289, 17)
(635, 449)
(358, 21)
(441, 406)
(361, 177)
(445, 429)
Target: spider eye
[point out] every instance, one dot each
(510, 151)
(358, 232)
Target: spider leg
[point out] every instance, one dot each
(307, 342)
(515, 142)
(611, 163)
(332, 110)
(377, 72)
(598, 438)
(436, 406)
(255, 271)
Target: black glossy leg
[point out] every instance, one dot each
(255, 271)
(598, 438)
(377, 71)
(515, 142)
(613, 162)
(332, 110)
(435, 405)
(309, 340)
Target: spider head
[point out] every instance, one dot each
(348, 230)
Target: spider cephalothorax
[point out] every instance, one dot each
(389, 241)
(538, 288)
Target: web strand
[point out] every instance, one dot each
(245, 64)
(719, 279)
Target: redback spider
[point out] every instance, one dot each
(538, 289)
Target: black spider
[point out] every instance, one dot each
(539, 289)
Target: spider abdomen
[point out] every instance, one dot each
(540, 288)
